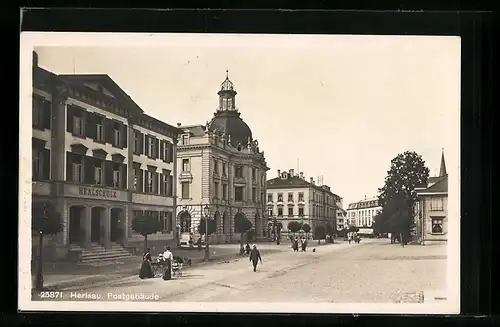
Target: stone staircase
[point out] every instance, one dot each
(97, 253)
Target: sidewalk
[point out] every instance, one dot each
(61, 275)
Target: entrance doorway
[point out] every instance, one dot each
(75, 230)
(116, 232)
(96, 226)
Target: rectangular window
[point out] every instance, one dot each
(280, 197)
(224, 191)
(254, 194)
(301, 211)
(116, 175)
(36, 113)
(165, 183)
(116, 137)
(78, 126)
(290, 197)
(238, 193)
(238, 171)
(270, 212)
(224, 169)
(165, 151)
(254, 174)
(216, 190)
(436, 204)
(269, 198)
(98, 175)
(77, 172)
(301, 196)
(137, 142)
(185, 139)
(185, 190)
(151, 147)
(136, 178)
(216, 166)
(149, 181)
(99, 132)
(37, 165)
(185, 164)
(437, 226)
(290, 212)
(169, 220)
(280, 211)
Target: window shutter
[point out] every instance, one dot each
(124, 176)
(146, 146)
(88, 166)
(108, 173)
(125, 135)
(46, 164)
(162, 185)
(91, 126)
(70, 115)
(46, 114)
(170, 152)
(170, 185)
(108, 130)
(69, 166)
(141, 143)
(162, 150)
(155, 183)
(157, 148)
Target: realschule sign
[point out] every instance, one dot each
(89, 191)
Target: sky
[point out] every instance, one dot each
(340, 107)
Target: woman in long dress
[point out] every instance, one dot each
(146, 269)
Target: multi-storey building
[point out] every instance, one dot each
(361, 213)
(291, 198)
(341, 219)
(222, 169)
(99, 159)
(431, 209)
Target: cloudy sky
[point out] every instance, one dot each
(337, 106)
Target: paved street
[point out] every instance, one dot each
(373, 271)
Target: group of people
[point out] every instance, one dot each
(166, 258)
(303, 244)
(353, 237)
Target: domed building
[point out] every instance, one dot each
(221, 175)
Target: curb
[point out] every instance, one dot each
(125, 273)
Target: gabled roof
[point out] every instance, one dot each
(439, 187)
(291, 182)
(107, 82)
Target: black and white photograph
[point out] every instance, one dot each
(239, 173)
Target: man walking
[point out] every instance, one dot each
(255, 257)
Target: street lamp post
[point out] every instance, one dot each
(206, 211)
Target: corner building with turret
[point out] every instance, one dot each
(221, 173)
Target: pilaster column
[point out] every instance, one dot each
(107, 229)
(58, 131)
(87, 226)
(126, 214)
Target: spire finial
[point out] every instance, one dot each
(227, 73)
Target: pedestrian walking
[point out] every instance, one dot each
(296, 245)
(255, 257)
(168, 256)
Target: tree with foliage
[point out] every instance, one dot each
(353, 229)
(320, 233)
(307, 229)
(397, 197)
(146, 225)
(211, 226)
(294, 226)
(241, 225)
(45, 220)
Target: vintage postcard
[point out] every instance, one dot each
(239, 173)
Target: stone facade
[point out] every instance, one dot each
(85, 158)
(216, 173)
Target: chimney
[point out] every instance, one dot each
(301, 175)
(311, 180)
(291, 172)
(365, 196)
(178, 124)
(279, 173)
